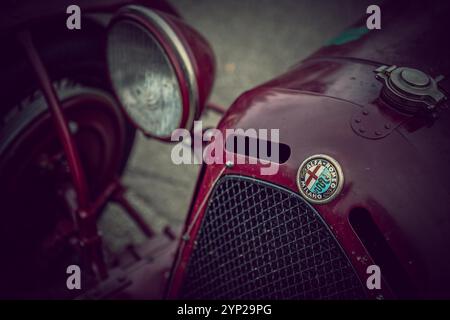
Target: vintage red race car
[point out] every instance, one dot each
(360, 186)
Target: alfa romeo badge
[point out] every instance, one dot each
(320, 178)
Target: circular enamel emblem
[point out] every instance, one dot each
(320, 178)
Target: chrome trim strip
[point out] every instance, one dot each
(179, 49)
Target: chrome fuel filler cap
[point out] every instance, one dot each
(410, 90)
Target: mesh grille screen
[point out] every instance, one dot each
(259, 241)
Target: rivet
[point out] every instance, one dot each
(365, 112)
(185, 237)
(377, 133)
(73, 127)
(208, 134)
(387, 126)
(357, 120)
(229, 164)
(362, 130)
(83, 214)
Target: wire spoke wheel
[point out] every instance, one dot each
(38, 237)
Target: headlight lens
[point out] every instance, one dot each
(144, 79)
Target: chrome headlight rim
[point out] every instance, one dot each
(178, 54)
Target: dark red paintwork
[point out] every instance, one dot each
(400, 177)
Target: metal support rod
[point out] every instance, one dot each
(215, 107)
(119, 197)
(60, 122)
(90, 240)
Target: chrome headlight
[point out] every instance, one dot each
(153, 70)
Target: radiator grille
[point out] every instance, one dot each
(259, 241)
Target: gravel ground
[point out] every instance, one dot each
(254, 40)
